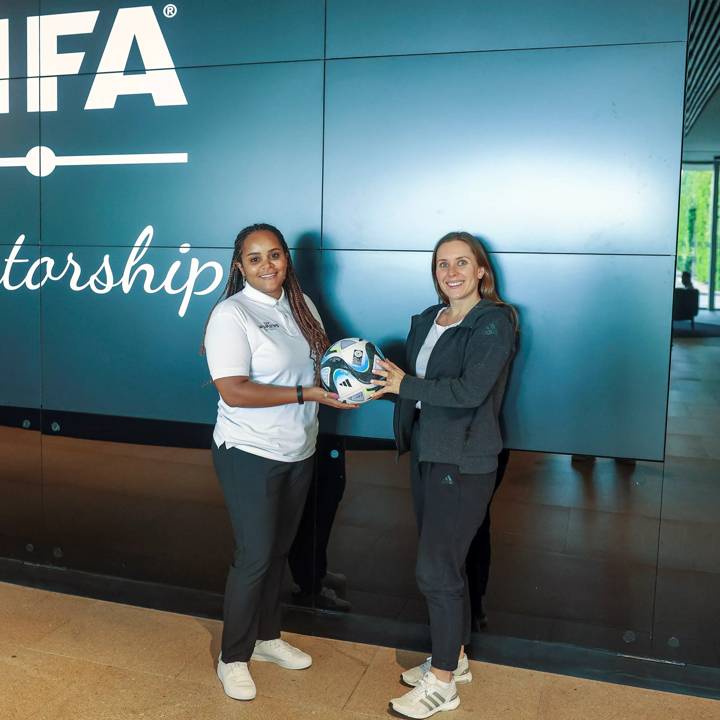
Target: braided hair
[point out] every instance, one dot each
(311, 329)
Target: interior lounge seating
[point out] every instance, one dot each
(686, 302)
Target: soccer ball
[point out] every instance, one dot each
(347, 369)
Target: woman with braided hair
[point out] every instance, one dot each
(264, 341)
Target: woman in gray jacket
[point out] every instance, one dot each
(446, 414)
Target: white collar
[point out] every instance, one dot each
(261, 297)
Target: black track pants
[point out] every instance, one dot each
(265, 499)
(450, 507)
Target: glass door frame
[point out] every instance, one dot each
(714, 233)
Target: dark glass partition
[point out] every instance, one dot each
(21, 492)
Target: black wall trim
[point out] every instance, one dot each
(138, 431)
(21, 417)
(516, 652)
(362, 443)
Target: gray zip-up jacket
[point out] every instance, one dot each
(462, 391)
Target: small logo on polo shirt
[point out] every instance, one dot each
(267, 325)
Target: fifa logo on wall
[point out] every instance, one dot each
(136, 27)
(45, 64)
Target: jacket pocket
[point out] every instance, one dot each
(482, 436)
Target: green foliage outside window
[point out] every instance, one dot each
(695, 224)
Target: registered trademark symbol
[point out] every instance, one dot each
(170, 10)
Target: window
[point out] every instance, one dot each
(695, 246)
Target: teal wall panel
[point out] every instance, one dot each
(13, 30)
(573, 150)
(19, 189)
(591, 345)
(198, 33)
(403, 27)
(105, 353)
(562, 152)
(253, 139)
(21, 344)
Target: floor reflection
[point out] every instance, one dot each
(688, 585)
(593, 552)
(574, 545)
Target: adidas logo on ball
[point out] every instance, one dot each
(347, 368)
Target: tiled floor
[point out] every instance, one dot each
(71, 658)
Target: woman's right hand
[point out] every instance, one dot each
(324, 397)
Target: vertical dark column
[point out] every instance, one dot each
(714, 233)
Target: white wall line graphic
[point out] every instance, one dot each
(41, 161)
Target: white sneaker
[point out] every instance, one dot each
(461, 674)
(281, 653)
(429, 697)
(236, 680)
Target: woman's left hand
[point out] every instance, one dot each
(391, 375)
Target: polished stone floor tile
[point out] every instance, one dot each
(502, 693)
(381, 681)
(29, 680)
(104, 692)
(28, 615)
(109, 693)
(565, 698)
(127, 637)
(72, 678)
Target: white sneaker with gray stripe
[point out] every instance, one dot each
(461, 674)
(429, 697)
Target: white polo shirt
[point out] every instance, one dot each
(253, 334)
